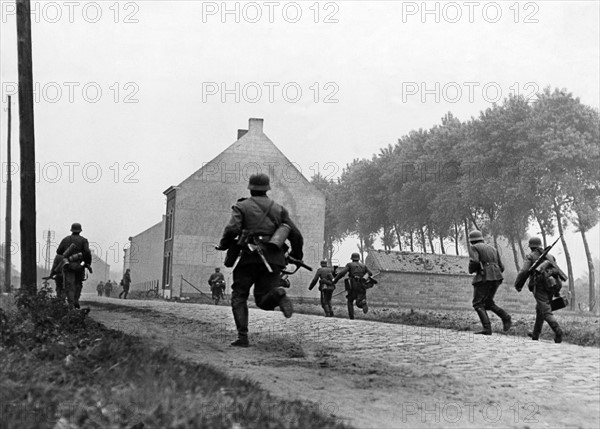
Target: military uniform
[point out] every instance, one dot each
(74, 272)
(485, 262)
(256, 219)
(125, 282)
(355, 284)
(217, 284)
(108, 288)
(324, 276)
(542, 292)
(100, 288)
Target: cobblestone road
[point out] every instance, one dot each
(371, 374)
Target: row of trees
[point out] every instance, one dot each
(519, 164)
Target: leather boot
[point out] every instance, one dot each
(330, 310)
(537, 327)
(350, 310)
(242, 341)
(558, 333)
(506, 319)
(240, 316)
(485, 322)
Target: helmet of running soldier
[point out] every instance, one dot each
(475, 237)
(76, 227)
(323, 263)
(535, 242)
(259, 182)
(217, 270)
(355, 257)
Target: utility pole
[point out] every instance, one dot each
(49, 236)
(7, 235)
(27, 145)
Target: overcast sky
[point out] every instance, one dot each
(130, 95)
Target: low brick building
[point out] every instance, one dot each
(199, 208)
(437, 281)
(144, 258)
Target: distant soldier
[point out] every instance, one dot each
(217, 285)
(76, 249)
(485, 262)
(258, 228)
(356, 284)
(125, 283)
(100, 288)
(324, 276)
(544, 283)
(108, 287)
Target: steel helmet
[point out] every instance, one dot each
(259, 182)
(323, 263)
(535, 242)
(355, 257)
(76, 227)
(475, 237)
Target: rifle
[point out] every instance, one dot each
(543, 260)
(298, 263)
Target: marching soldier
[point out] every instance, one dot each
(356, 283)
(100, 288)
(543, 288)
(324, 276)
(108, 287)
(74, 272)
(485, 262)
(259, 226)
(217, 284)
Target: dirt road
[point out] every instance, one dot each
(375, 375)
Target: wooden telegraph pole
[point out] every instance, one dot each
(27, 146)
(7, 235)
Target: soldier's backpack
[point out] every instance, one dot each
(546, 276)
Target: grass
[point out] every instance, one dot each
(61, 369)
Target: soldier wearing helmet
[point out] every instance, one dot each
(324, 276)
(544, 286)
(485, 262)
(253, 222)
(356, 284)
(76, 250)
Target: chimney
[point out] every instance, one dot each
(255, 125)
(241, 133)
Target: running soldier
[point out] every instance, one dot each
(544, 283)
(256, 223)
(485, 262)
(324, 276)
(356, 284)
(217, 285)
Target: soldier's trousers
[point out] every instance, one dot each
(543, 311)
(265, 292)
(326, 302)
(358, 293)
(73, 285)
(60, 287)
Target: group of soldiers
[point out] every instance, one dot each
(105, 289)
(545, 282)
(255, 239)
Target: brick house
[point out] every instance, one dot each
(420, 280)
(198, 209)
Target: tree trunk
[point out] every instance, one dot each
(495, 241)
(423, 244)
(591, 275)
(412, 244)
(567, 256)
(521, 249)
(456, 238)
(514, 249)
(467, 233)
(430, 238)
(398, 238)
(542, 230)
(442, 249)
